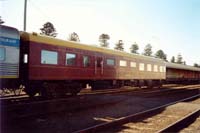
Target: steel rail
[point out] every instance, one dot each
(181, 123)
(128, 118)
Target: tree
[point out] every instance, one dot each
(74, 37)
(148, 50)
(103, 39)
(134, 48)
(1, 21)
(179, 59)
(173, 59)
(119, 45)
(160, 54)
(196, 65)
(48, 29)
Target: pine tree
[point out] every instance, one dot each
(179, 59)
(48, 29)
(173, 59)
(196, 65)
(119, 45)
(74, 37)
(148, 50)
(1, 21)
(160, 54)
(134, 48)
(103, 39)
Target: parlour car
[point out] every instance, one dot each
(55, 67)
(178, 73)
(9, 57)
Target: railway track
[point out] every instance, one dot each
(131, 123)
(24, 107)
(23, 98)
(26, 113)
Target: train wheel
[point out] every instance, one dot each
(30, 90)
(75, 88)
(150, 84)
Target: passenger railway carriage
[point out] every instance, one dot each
(54, 67)
(69, 66)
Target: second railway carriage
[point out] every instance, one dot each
(53, 66)
(178, 73)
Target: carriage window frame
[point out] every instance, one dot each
(149, 67)
(86, 63)
(49, 57)
(3, 54)
(72, 62)
(110, 62)
(155, 68)
(123, 63)
(133, 64)
(141, 66)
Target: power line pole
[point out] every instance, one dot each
(25, 6)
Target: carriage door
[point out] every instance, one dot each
(99, 66)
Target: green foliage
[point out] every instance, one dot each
(148, 50)
(196, 65)
(179, 59)
(1, 21)
(173, 59)
(103, 39)
(134, 48)
(119, 45)
(48, 29)
(74, 37)
(160, 54)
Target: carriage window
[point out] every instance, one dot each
(149, 67)
(161, 68)
(141, 66)
(25, 58)
(110, 62)
(155, 69)
(86, 61)
(164, 69)
(122, 63)
(70, 59)
(2, 54)
(133, 64)
(49, 57)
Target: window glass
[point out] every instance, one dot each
(49, 57)
(122, 63)
(164, 69)
(70, 59)
(149, 67)
(141, 66)
(133, 64)
(86, 61)
(110, 62)
(161, 68)
(25, 58)
(2, 54)
(155, 69)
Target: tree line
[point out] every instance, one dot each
(49, 30)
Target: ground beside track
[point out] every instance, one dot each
(69, 121)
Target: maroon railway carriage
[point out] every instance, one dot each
(178, 73)
(55, 67)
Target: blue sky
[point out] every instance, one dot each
(170, 25)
